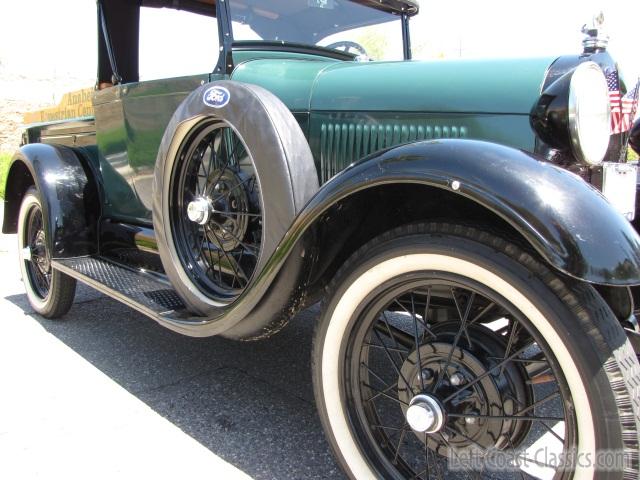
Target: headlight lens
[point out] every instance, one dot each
(589, 113)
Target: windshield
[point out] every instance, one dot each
(338, 24)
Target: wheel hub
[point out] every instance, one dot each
(229, 200)
(199, 210)
(425, 414)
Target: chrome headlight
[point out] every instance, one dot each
(573, 114)
(589, 113)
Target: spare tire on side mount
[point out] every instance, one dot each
(233, 170)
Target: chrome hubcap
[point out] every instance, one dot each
(199, 210)
(425, 414)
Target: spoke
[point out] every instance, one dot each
(207, 258)
(394, 334)
(489, 453)
(213, 158)
(463, 321)
(513, 449)
(395, 457)
(388, 428)
(395, 367)
(376, 376)
(245, 214)
(542, 401)
(423, 323)
(226, 164)
(482, 312)
(392, 349)
(552, 432)
(252, 250)
(415, 327)
(425, 317)
(232, 262)
(384, 394)
(533, 405)
(509, 344)
(426, 456)
(226, 194)
(507, 417)
(520, 360)
(469, 439)
(485, 374)
(456, 454)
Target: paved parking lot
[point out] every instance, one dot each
(107, 393)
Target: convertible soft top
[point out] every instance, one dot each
(203, 7)
(119, 25)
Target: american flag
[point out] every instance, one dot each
(623, 108)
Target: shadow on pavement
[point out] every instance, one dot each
(249, 403)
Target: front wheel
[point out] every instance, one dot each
(447, 352)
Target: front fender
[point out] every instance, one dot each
(68, 197)
(568, 222)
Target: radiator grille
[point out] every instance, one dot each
(342, 143)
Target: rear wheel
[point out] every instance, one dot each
(49, 291)
(446, 352)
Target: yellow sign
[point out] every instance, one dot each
(73, 105)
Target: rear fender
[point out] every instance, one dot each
(68, 194)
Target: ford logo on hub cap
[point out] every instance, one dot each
(216, 97)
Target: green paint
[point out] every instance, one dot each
(346, 109)
(339, 139)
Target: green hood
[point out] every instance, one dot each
(502, 86)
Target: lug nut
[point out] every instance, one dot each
(471, 420)
(456, 379)
(425, 375)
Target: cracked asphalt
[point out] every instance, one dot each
(107, 393)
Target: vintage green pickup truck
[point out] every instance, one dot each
(465, 224)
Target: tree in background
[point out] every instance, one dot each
(374, 42)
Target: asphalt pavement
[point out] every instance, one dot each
(107, 393)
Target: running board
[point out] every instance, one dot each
(141, 290)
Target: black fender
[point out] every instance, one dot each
(566, 220)
(68, 194)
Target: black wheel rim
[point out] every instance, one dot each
(499, 390)
(220, 254)
(38, 267)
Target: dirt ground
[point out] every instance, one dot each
(21, 93)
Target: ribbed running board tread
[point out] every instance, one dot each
(139, 290)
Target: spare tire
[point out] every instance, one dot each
(233, 170)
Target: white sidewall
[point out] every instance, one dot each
(36, 302)
(394, 267)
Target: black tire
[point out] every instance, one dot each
(280, 160)
(49, 291)
(589, 357)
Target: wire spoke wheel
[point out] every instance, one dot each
(39, 266)
(49, 291)
(446, 377)
(216, 210)
(448, 352)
